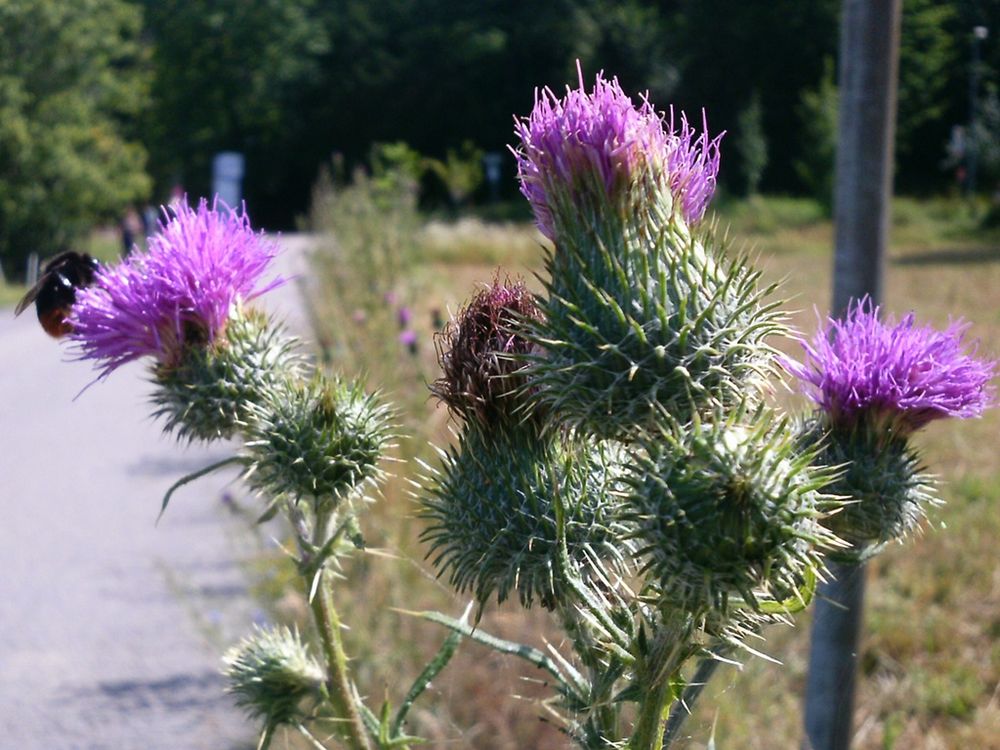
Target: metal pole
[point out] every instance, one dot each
(869, 55)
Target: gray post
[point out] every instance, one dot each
(869, 54)
(31, 274)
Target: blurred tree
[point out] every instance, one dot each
(290, 82)
(72, 83)
(236, 75)
(627, 40)
(927, 55)
(751, 145)
(728, 49)
(817, 113)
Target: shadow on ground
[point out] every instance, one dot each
(985, 254)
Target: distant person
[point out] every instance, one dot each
(149, 221)
(177, 198)
(131, 228)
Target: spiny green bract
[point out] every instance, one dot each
(882, 480)
(207, 394)
(728, 513)
(640, 315)
(318, 439)
(492, 517)
(271, 674)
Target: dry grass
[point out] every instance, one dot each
(931, 663)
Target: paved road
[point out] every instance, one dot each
(111, 627)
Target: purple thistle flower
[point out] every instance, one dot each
(408, 338)
(180, 292)
(567, 143)
(896, 375)
(404, 315)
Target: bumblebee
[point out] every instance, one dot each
(55, 292)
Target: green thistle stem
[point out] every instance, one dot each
(681, 711)
(328, 624)
(660, 669)
(653, 710)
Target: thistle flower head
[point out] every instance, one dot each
(207, 394)
(271, 674)
(730, 509)
(860, 370)
(883, 482)
(180, 293)
(692, 164)
(602, 141)
(492, 516)
(320, 440)
(478, 352)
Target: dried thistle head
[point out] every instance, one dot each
(481, 353)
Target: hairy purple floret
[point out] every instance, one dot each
(602, 138)
(900, 375)
(179, 293)
(693, 165)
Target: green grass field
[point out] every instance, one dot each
(930, 659)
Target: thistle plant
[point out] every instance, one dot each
(310, 446)
(182, 304)
(875, 383)
(492, 515)
(641, 311)
(615, 457)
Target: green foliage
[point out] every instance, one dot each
(986, 138)
(730, 48)
(369, 248)
(72, 83)
(818, 117)
(752, 145)
(233, 75)
(927, 56)
(461, 171)
(396, 169)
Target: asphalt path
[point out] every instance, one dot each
(111, 627)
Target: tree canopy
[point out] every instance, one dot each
(72, 82)
(88, 89)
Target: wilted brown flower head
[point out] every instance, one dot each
(481, 352)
